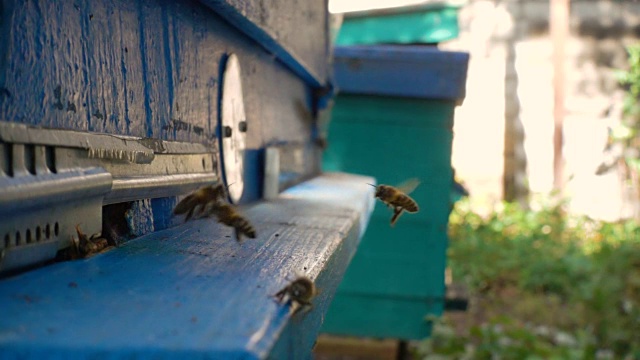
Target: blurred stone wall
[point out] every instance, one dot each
(510, 82)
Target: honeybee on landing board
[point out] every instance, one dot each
(398, 198)
(229, 216)
(299, 291)
(84, 245)
(199, 199)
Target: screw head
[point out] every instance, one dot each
(227, 131)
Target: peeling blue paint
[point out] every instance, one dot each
(134, 67)
(152, 68)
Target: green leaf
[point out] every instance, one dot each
(622, 132)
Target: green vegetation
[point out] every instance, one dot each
(628, 132)
(544, 285)
(624, 138)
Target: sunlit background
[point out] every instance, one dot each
(547, 245)
(519, 84)
(343, 6)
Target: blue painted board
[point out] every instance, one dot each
(403, 71)
(141, 68)
(149, 69)
(192, 291)
(294, 31)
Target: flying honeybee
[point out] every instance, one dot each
(398, 198)
(299, 291)
(229, 216)
(210, 200)
(197, 201)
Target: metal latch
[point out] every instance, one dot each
(52, 180)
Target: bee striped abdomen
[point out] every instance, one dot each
(407, 203)
(185, 205)
(228, 215)
(210, 200)
(243, 226)
(395, 199)
(197, 202)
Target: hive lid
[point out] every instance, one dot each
(405, 71)
(423, 23)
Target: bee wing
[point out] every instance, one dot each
(189, 214)
(408, 185)
(185, 205)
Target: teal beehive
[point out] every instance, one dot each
(393, 119)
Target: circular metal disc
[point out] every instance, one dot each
(233, 120)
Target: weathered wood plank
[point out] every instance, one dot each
(148, 69)
(299, 38)
(403, 71)
(142, 68)
(192, 290)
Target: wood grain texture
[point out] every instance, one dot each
(148, 69)
(295, 31)
(192, 290)
(142, 68)
(403, 71)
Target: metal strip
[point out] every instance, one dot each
(156, 187)
(52, 180)
(39, 213)
(114, 147)
(23, 193)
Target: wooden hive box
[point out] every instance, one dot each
(112, 111)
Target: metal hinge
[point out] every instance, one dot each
(52, 180)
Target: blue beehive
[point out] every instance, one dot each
(111, 110)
